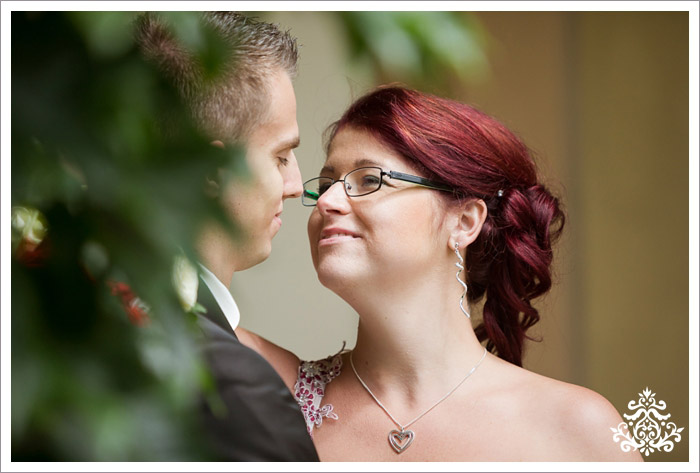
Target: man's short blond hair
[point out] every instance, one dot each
(229, 106)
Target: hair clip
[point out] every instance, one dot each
(499, 193)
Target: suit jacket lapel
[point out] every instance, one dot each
(214, 312)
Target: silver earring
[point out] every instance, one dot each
(464, 285)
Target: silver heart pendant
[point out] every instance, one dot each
(400, 441)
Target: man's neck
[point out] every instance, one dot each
(217, 255)
(223, 272)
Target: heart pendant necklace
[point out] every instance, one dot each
(400, 440)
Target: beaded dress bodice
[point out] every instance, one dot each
(312, 379)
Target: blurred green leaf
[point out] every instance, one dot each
(187, 28)
(107, 34)
(210, 50)
(439, 51)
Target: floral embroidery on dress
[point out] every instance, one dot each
(312, 378)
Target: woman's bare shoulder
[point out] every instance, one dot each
(576, 419)
(283, 361)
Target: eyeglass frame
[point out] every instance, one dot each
(401, 176)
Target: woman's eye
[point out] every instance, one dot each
(370, 181)
(323, 188)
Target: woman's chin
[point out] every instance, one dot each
(335, 279)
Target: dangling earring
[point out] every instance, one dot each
(461, 267)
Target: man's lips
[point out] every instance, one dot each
(278, 218)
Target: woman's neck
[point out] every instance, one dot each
(413, 342)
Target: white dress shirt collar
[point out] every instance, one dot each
(222, 296)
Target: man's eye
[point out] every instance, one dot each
(283, 161)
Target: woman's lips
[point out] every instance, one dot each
(330, 236)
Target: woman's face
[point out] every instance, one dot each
(378, 239)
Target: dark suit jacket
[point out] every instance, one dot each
(262, 421)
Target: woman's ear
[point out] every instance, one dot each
(466, 222)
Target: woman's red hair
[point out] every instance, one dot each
(477, 156)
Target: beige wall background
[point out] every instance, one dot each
(602, 100)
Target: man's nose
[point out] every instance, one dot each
(292, 179)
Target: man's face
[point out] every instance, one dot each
(256, 204)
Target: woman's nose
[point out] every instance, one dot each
(334, 199)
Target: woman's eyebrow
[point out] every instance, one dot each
(328, 168)
(366, 162)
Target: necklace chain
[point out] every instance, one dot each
(398, 424)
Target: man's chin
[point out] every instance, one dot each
(256, 256)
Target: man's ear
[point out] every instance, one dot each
(211, 187)
(211, 183)
(466, 222)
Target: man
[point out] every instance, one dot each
(252, 103)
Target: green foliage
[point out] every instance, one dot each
(433, 51)
(119, 202)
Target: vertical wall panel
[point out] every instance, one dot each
(633, 100)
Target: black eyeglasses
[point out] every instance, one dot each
(361, 181)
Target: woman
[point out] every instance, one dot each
(414, 188)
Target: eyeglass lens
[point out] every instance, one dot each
(359, 182)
